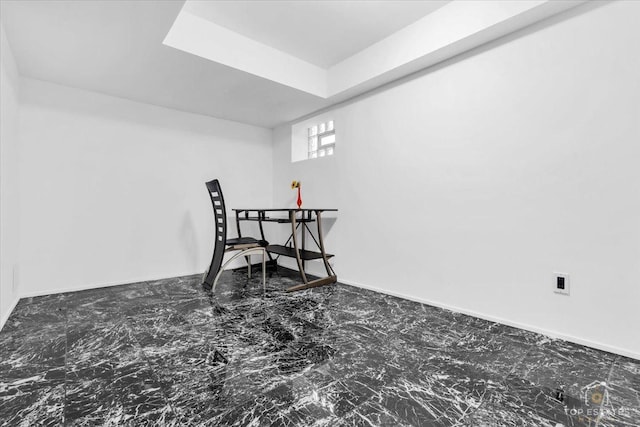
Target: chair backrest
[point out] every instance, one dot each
(220, 218)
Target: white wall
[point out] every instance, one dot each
(112, 191)
(470, 185)
(9, 200)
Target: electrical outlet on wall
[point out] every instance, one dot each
(561, 283)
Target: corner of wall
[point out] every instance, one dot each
(5, 316)
(9, 178)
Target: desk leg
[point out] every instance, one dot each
(261, 216)
(239, 231)
(331, 275)
(292, 217)
(303, 234)
(327, 266)
(238, 224)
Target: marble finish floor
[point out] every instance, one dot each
(170, 353)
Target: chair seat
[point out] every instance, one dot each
(246, 241)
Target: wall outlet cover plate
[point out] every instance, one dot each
(561, 283)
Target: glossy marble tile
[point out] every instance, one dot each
(620, 403)
(170, 352)
(32, 396)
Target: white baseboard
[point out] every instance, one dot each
(4, 318)
(101, 285)
(546, 332)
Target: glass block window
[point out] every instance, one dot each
(321, 140)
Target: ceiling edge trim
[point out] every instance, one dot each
(200, 37)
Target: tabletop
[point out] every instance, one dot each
(287, 209)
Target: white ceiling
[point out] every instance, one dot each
(322, 33)
(116, 48)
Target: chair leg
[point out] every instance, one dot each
(239, 254)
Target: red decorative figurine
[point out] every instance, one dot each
(296, 184)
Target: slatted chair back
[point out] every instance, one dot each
(220, 218)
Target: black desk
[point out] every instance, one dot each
(298, 218)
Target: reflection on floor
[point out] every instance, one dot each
(168, 353)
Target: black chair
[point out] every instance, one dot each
(245, 246)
